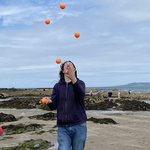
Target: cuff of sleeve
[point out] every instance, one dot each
(75, 83)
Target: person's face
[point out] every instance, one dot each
(68, 66)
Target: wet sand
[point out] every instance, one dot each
(131, 133)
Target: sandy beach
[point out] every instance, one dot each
(131, 133)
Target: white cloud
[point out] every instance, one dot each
(136, 15)
(114, 41)
(32, 13)
(6, 11)
(30, 68)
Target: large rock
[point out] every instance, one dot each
(47, 116)
(20, 128)
(100, 105)
(21, 103)
(31, 145)
(7, 117)
(3, 95)
(133, 105)
(102, 120)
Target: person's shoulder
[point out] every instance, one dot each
(80, 81)
(56, 85)
(59, 83)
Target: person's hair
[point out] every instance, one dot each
(61, 74)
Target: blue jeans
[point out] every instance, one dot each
(72, 137)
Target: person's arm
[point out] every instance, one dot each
(79, 88)
(52, 103)
(78, 85)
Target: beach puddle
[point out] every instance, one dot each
(146, 101)
(5, 99)
(54, 147)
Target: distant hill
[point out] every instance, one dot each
(136, 86)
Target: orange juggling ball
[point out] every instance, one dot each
(44, 100)
(47, 21)
(62, 6)
(58, 60)
(77, 34)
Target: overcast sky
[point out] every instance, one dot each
(113, 49)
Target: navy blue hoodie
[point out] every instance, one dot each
(68, 100)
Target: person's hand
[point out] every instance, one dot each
(48, 100)
(71, 74)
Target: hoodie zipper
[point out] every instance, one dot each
(66, 117)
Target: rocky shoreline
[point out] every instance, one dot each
(30, 99)
(37, 127)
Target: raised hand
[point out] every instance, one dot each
(71, 73)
